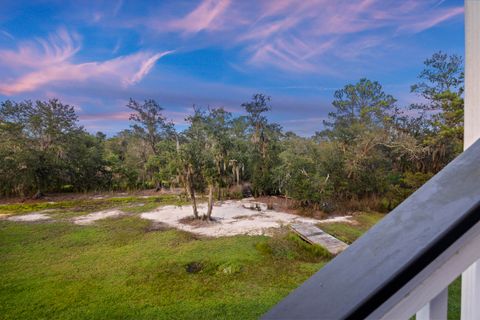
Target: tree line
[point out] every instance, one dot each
(369, 148)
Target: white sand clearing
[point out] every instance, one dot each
(92, 217)
(337, 219)
(36, 216)
(231, 218)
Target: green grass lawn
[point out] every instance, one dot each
(124, 268)
(349, 232)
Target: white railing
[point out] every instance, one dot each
(427, 293)
(437, 308)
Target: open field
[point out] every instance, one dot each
(126, 267)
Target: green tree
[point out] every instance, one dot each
(359, 107)
(441, 113)
(360, 126)
(192, 156)
(125, 162)
(264, 139)
(300, 174)
(44, 148)
(206, 154)
(151, 127)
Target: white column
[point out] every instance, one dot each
(472, 72)
(471, 277)
(435, 309)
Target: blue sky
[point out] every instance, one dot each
(95, 55)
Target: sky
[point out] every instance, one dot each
(95, 55)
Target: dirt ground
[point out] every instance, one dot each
(232, 217)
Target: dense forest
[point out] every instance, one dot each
(370, 151)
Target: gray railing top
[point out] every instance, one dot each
(381, 262)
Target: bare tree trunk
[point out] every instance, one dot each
(194, 203)
(237, 174)
(210, 202)
(191, 193)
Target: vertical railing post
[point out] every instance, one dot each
(435, 309)
(471, 277)
(472, 72)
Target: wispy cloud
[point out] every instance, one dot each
(303, 35)
(117, 7)
(146, 64)
(177, 117)
(7, 34)
(50, 61)
(429, 22)
(203, 17)
(106, 116)
(118, 44)
(56, 49)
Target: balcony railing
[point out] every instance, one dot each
(404, 264)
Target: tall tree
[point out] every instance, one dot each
(441, 112)
(152, 127)
(206, 154)
(359, 126)
(264, 147)
(149, 122)
(192, 155)
(358, 107)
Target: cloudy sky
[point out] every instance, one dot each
(95, 55)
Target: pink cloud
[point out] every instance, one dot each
(145, 66)
(287, 60)
(111, 116)
(43, 62)
(431, 21)
(291, 54)
(177, 117)
(303, 35)
(203, 17)
(57, 48)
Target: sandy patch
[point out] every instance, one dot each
(346, 219)
(92, 217)
(30, 217)
(231, 218)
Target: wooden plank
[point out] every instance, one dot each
(315, 235)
